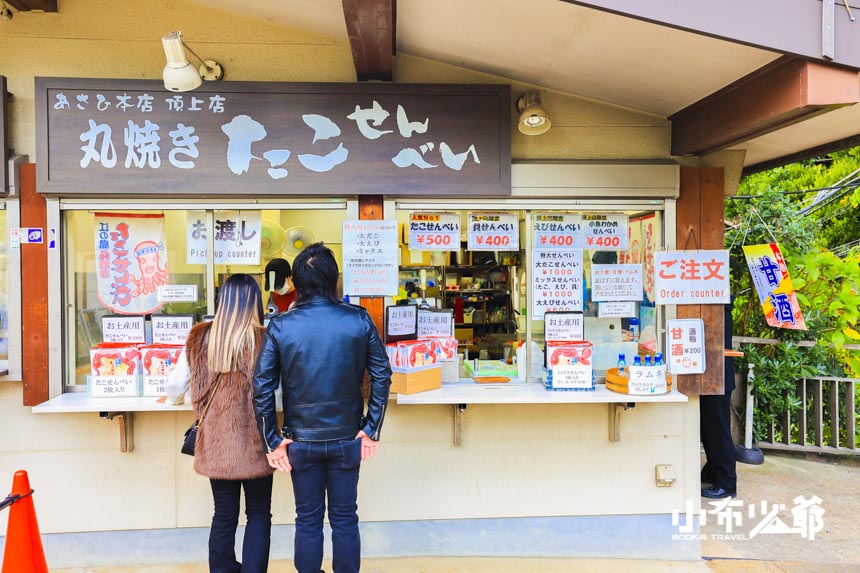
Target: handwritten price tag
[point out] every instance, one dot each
(605, 232)
(494, 232)
(557, 231)
(434, 231)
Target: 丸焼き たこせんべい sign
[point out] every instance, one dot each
(124, 136)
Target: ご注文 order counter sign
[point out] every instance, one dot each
(691, 277)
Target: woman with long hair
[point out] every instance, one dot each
(218, 365)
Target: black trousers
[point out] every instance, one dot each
(222, 535)
(716, 434)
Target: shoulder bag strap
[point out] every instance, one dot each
(209, 403)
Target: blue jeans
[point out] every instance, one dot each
(222, 535)
(320, 469)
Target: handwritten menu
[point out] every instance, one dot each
(435, 323)
(556, 281)
(616, 282)
(171, 329)
(567, 326)
(605, 232)
(685, 339)
(401, 322)
(557, 231)
(370, 258)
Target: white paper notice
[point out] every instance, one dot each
(691, 277)
(616, 309)
(237, 237)
(605, 232)
(112, 386)
(566, 326)
(171, 329)
(616, 282)
(176, 293)
(644, 380)
(572, 376)
(124, 329)
(557, 231)
(494, 232)
(434, 231)
(556, 281)
(370, 258)
(685, 339)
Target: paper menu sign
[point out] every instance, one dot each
(401, 322)
(434, 231)
(556, 231)
(370, 258)
(435, 323)
(563, 326)
(556, 281)
(170, 328)
(685, 341)
(123, 329)
(616, 282)
(605, 232)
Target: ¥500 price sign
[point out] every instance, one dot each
(494, 232)
(434, 231)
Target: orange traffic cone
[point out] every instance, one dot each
(24, 553)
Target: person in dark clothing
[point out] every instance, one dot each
(318, 352)
(716, 431)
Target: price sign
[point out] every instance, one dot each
(171, 329)
(616, 282)
(572, 376)
(566, 326)
(494, 232)
(685, 341)
(645, 380)
(434, 231)
(124, 329)
(557, 231)
(556, 281)
(435, 323)
(605, 232)
(112, 386)
(401, 322)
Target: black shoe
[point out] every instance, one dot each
(717, 493)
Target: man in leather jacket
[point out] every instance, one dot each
(318, 352)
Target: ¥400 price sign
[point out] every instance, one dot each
(494, 232)
(607, 232)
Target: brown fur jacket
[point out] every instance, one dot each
(228, 446)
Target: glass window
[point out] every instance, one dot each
(490, 291)
(103, 275)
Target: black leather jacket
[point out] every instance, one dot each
(319, 352)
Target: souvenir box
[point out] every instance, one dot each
(158, 361)
(114, 371)
(570, 366)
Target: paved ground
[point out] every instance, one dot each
(780, 480)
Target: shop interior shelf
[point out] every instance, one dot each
(533, 393)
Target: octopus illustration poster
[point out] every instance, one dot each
(132, 261)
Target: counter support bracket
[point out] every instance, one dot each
(615, 409)
(126, 428)
(459, 410)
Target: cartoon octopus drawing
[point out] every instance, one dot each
(567, 355)
(114, 362)
(151, 273)
(158, 362)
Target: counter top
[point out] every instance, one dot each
(80, 402)
(533, 393)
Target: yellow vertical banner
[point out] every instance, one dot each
(775, 291)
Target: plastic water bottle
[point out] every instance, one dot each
(634, 329)
(637, 360)
(622, 366)
(647, 360)
(658, 359)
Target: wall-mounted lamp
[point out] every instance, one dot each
(179, 75)
(533, 118)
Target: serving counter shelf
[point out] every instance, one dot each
(467, 392)
(71, 402)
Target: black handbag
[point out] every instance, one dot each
(190, 440)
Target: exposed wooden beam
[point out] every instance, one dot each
(803, 155)
(370, 25)
(795, 27)
(777, 95)
(29, 5)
